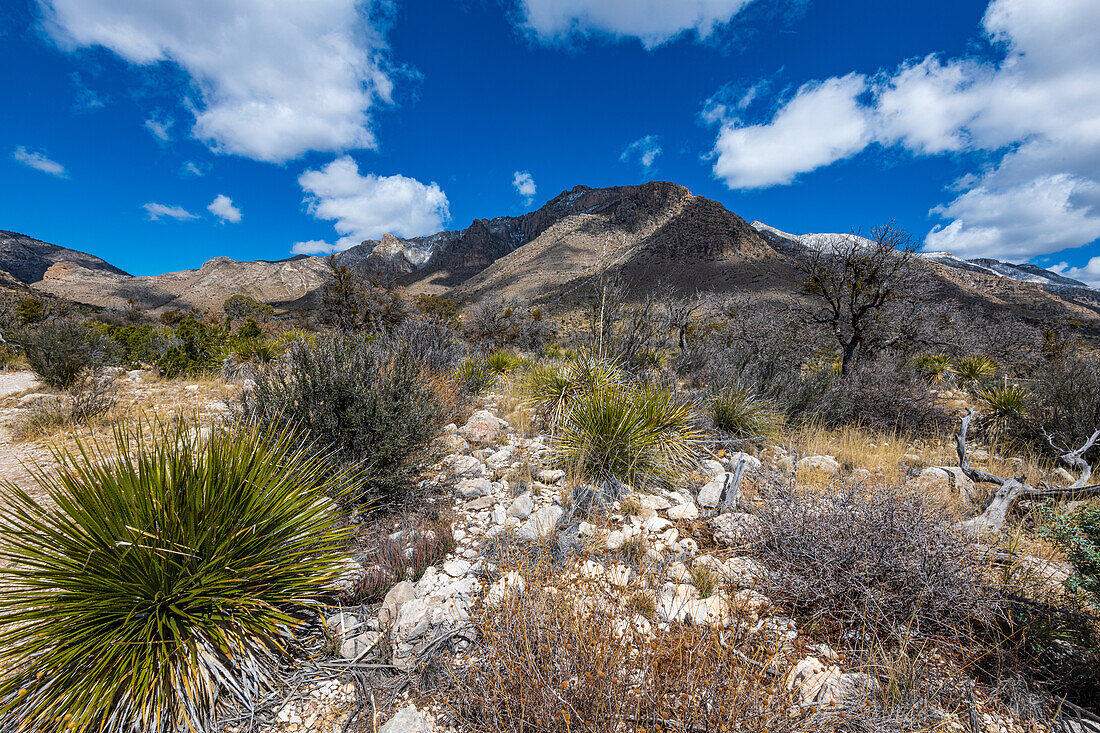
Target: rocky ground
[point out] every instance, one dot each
(683, 550)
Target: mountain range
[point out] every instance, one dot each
(654, 233)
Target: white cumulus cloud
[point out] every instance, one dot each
(1089, 274)
(312, 247)
(1034, 111)
(223, 208)
(366, 207)
(39, 161)
(524, 183)
(653, 22)
(645, 150)
(156, 211)
(272, 80)
(821, 124)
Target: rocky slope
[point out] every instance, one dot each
(655, 233)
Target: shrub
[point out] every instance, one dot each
(166, 579)
(549, 663)
(194, 348)
(1004, 403)
(640, 437)
(1077, 534)
(974, 369)
(870, 566)
(506, 322)
(885, 397)
(30, 310)
(42, 418)
(434, 343)
(1067, 399)
(743, 414)
(369, 401)
(58, 351)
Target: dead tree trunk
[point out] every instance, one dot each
(1012, 490)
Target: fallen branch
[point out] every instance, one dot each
(1012, 490)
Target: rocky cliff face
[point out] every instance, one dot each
(28, 259)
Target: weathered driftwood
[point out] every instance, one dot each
(1012, 490)
(731, 491)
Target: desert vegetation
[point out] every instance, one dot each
(665, 510)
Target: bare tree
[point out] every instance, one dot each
(679, 312)
(855, 284)
(1012, 490)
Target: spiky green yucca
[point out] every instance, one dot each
(475, 375)
(974, 369)
(503, 361)
(744, 414)
(160, 578)
(1004, 402)
(934, 367)
(549, 388)
(640, 437)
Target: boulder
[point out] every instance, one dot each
(550, 476)
(463, 466)
(472, 488)
(396, 597)
(711, 468)
(522, 507)
(823, 464)
(687, 510)
(541, 524)
(713, 493)
(482, 427)
(816, 683)
(752, 463)
(408, 720)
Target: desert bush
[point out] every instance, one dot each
(1067, 399)
(244, 306)
(743, 414)
(501, 322)
(369, 401)
(193, 348)
(549, 388)
(641, 437)
(403, 555)
(883, 396)
(31, 309)
(42, 418)
(974, 369)
(549, 663)
(475, 375)
(870, 566)
(433, 342)
(436, 306)
(1077, 534)
(58, 351)
(9, 356)
(164, 581)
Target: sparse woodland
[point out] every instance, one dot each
(856, 507)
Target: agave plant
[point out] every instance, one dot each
(549, 388)
(974, 369)
(744, 414)
(640, 437)
(163, 576)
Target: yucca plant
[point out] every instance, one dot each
(1005, 402)
(163, 576)
(974, 369)
(640, 437)
(743, 414)
(934, 367)
(550, 387)
(503, 361)
(475, 375)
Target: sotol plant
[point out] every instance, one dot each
(974, 369)
(550, 388)
(162, 577)
(640, 437)
(743, 414)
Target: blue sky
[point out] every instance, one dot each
(158, 134)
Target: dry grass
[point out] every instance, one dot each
(563, 655)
